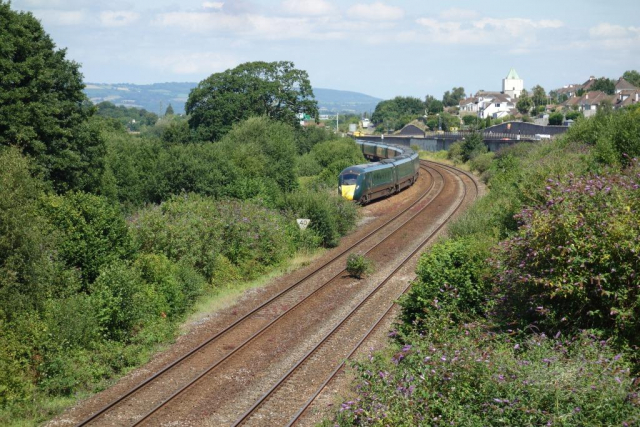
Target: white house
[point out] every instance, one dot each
(468, 106)
(494, 105)
(512, 85)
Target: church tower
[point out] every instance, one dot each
(512, 85)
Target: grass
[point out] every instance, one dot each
(226, 296)
(441, 157)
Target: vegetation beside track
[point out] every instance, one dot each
(110, 238)
(529, 312)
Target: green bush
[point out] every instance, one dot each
(466, 375)
(473, 146)
(455, 153)
(555, 119)
(451, 278)
(482, 162)
(93, 230)
(31, 271)
(615, 135)
(331, 216)
(123, 301)
(358, 265)
(196, 230)
(574, 261)
(262, 148)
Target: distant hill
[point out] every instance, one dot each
(156, 97)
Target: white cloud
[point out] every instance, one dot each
(611, 31)
(215, 5)
(308, 7)
(61, 17)
(457, 14)
(195, 63)
(616, 37)
(377, 11)
(118, 18)
(486, 30)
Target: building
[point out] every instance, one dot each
(623, 86)
(512, 85)
(494, 105)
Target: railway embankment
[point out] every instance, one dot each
(527, 313)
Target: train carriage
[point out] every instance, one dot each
(396, 168)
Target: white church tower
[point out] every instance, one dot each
(513, 85)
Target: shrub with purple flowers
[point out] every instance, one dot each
(575, 260)
(451, 278)
(465, 375)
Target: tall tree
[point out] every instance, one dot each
(43, 110)
(432, 105)
(604, 84)
(524, 103)
(539, 96)
(169, 111)
(633, 77)
(453, 98)
(273, 89)
(395, 113)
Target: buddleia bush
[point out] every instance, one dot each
(574, 261)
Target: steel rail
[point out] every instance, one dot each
(211, 367)
(319, 390)
(217, 335)
(352, 313)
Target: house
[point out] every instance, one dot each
(623, 85)
(569, 90)
(468, 106)
(590, 102)
(627, 98)
(494, 105)
(512, 85)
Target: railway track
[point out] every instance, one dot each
(269, 408)
(159, 379)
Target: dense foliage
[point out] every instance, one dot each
(397, 112)
(574, 261)
(465, 375)
(43, 110)
(132, 119)
(274, 89)
(109, 237)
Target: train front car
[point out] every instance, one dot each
(350, 183)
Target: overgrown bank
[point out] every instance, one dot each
(529, 312)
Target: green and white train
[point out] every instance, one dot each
(393, 169)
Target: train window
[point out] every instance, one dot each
(349, 178)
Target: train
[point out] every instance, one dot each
(393, 169)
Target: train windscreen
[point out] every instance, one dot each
(349, 178)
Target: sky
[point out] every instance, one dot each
(382, 48)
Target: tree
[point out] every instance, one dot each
(633, 77)
(395, 113)
(432, 105)
(43, 110)
(555, 119)
(524, 103)
(450, 99)
(273, 89)
(604, 84)
(169, 111)
(539, 96)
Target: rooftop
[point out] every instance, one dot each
(513, 75)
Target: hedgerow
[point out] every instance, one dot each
(463, 374)
(574, 262)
